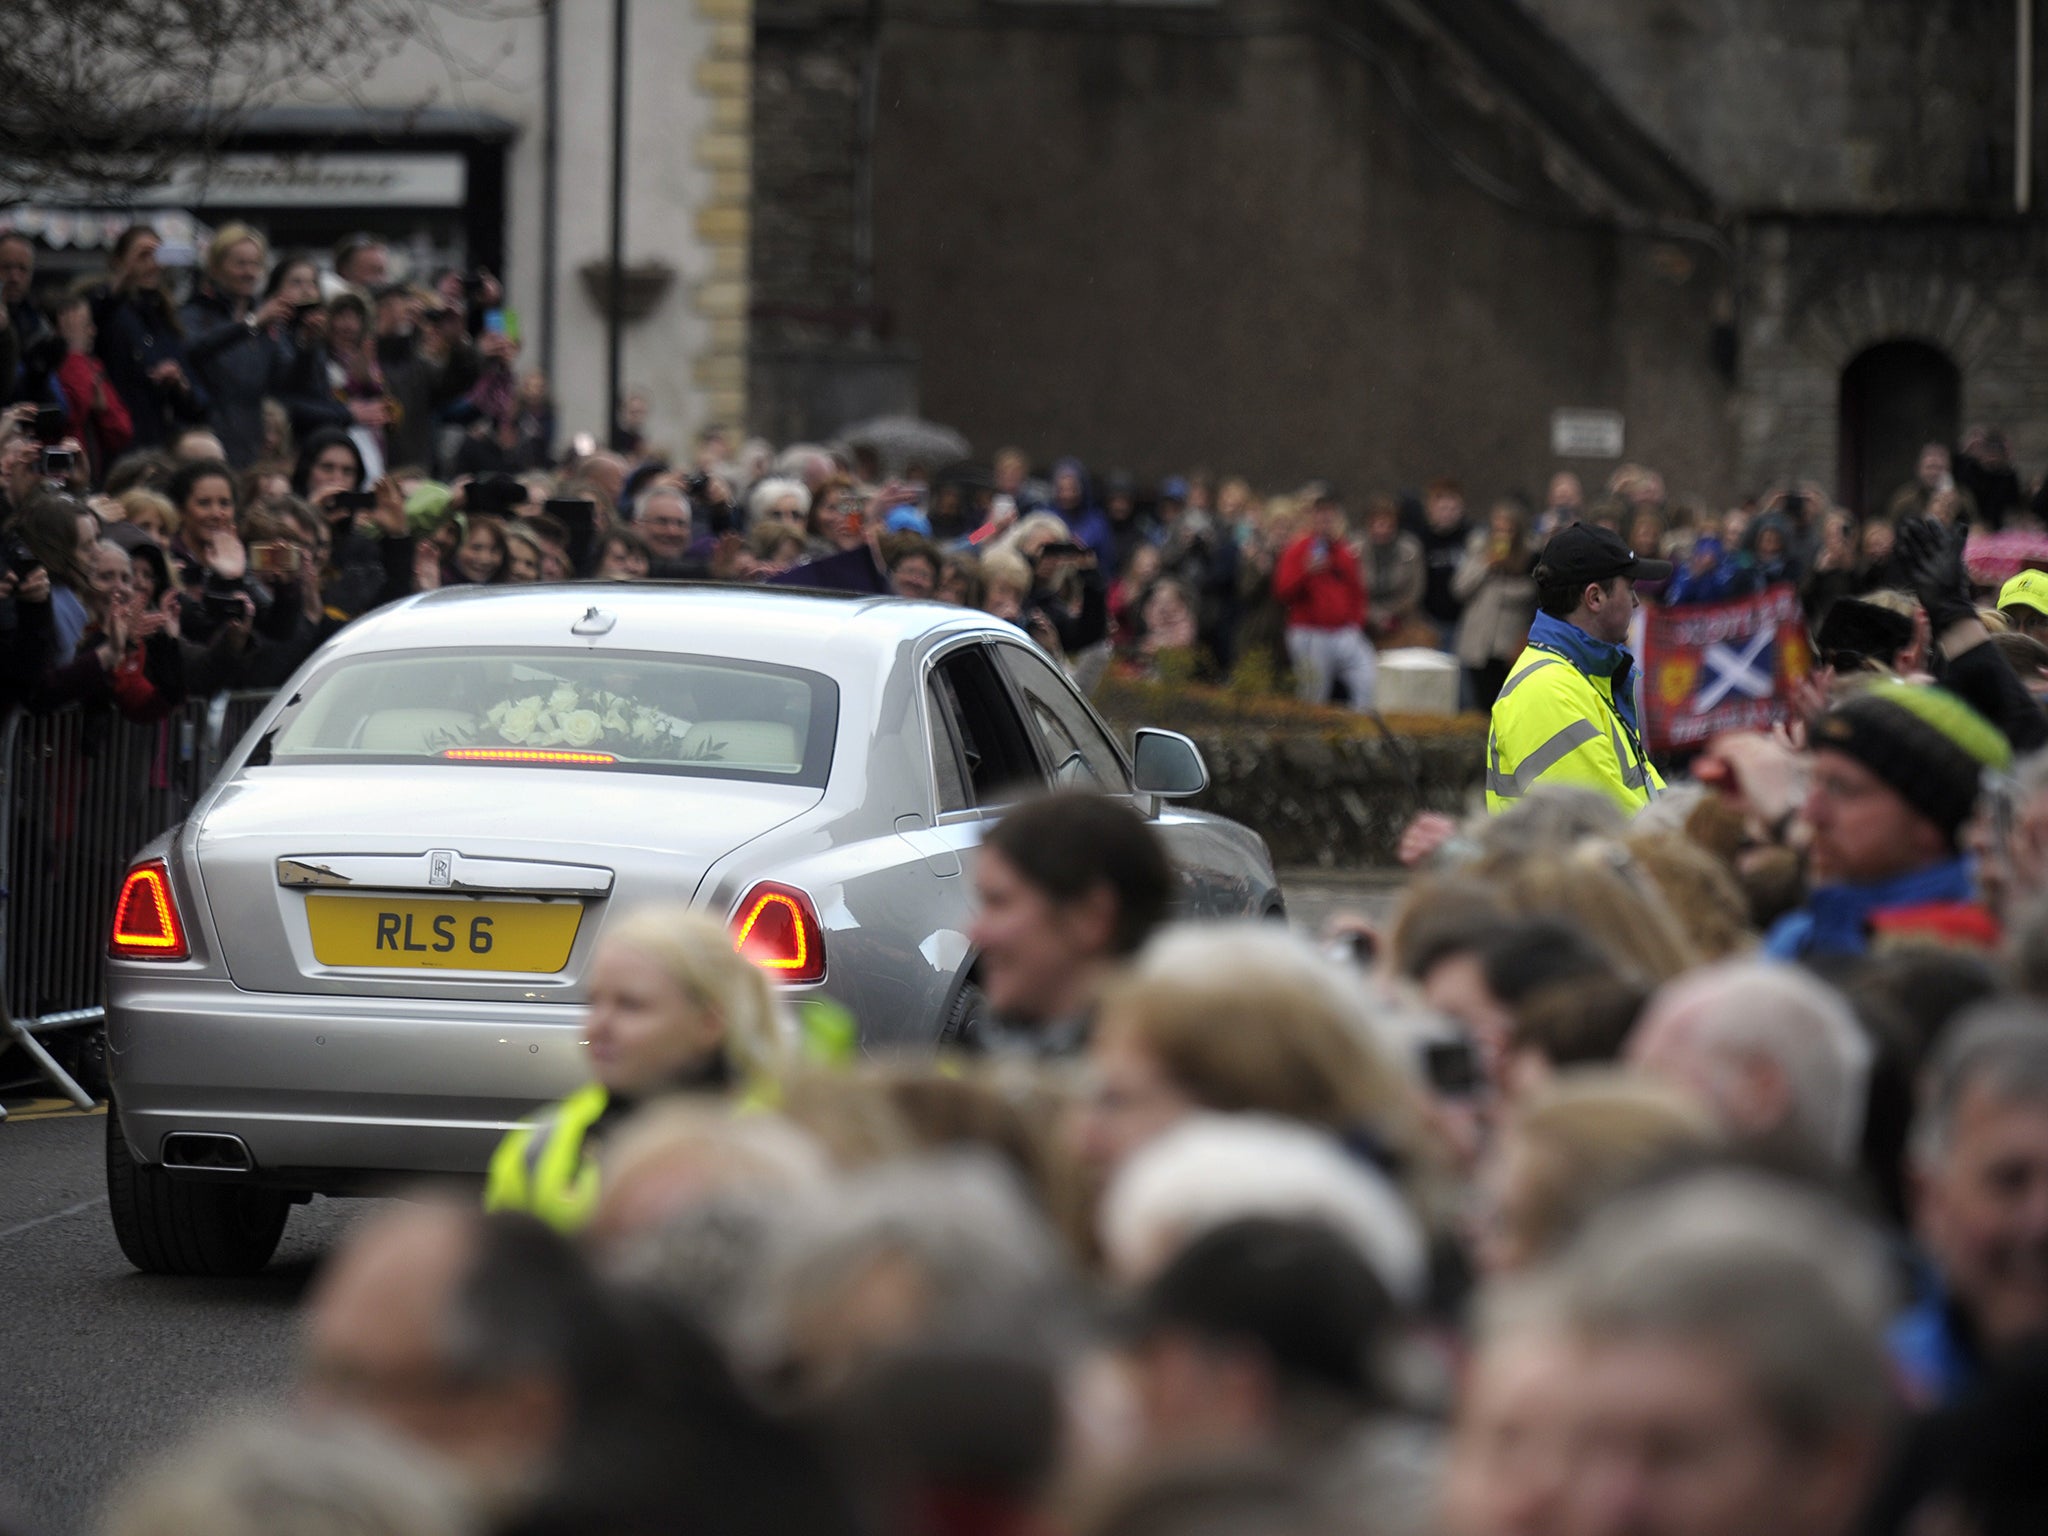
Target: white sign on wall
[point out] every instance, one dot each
(316, 181)
(1579, 433)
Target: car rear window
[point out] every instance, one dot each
(604, 710)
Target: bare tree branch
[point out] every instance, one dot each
(99, 99)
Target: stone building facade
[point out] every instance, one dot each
(447, 149)
(1383, 239)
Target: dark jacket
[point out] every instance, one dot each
(235, 364)
(422, 388)
(300, 384)
(1443, 551)
(28, 647)
(24, 324)
(137, 332)
(1982, 679)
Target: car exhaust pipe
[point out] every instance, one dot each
(206, 1152)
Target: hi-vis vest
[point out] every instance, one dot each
(540, 1167)
(544, 1168)
(1553, 724)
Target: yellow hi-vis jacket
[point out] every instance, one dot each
(540, 1167)
(545, 1167)
(1552, 724)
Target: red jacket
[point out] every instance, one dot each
(1332, 596)
(105, 430)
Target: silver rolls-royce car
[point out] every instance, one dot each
(361, 956)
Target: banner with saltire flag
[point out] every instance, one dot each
(1720, 667)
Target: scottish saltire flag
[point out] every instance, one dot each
(1722, 667)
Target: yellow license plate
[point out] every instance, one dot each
(532, 937)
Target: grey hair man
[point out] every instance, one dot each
(1211, 1169)
(939, 1250)
(1731, 1375)
(1980, 1199)
(779, 498)
(1775, 1054)
(483, 1339)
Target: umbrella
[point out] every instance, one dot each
(1995, 558)
(902, 440)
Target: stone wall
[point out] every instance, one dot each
(1325, 788)
(1820, 291)
(1825, 105)
(1160, 239)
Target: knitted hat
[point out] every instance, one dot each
(427, 506)
(1923, 742)
(1855, 631)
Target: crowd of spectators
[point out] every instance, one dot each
(1683, 1175)
(1557, 1206)
(368, 438)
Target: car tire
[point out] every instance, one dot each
(963, 1023)
(170, 1226)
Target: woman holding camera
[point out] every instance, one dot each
(231, 341)
(245, 627)
(371, 550)
(304, 356)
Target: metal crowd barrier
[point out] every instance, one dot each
(80, 791)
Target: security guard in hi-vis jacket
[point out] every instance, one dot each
(1567, 713)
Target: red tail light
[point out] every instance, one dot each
(146, 925)
(777, 928)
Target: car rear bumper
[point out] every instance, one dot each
(329, 1091)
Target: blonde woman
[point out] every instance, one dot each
(1587, 1136)
(152, 512)
(1243, 1019)
(234, 346)
(671, 1009)
(1599, 884)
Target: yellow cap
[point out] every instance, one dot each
(2029, 589)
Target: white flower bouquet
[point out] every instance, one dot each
(590, 721)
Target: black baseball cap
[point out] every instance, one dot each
(1585, 552)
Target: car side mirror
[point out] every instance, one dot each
(1167, 764)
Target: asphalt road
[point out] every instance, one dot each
(100, 1366)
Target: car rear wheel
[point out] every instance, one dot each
(169, 1226)
(963, 1024)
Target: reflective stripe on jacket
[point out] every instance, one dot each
(540, 1167)
(1553, 724)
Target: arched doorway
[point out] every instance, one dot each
(1896, 396)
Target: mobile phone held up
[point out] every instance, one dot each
(496, 497)
(21, 560)
(274, 558)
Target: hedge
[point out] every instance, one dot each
(1325, 787)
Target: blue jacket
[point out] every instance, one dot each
(1836, 918)
(1595, 658)
(1935, 1359)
